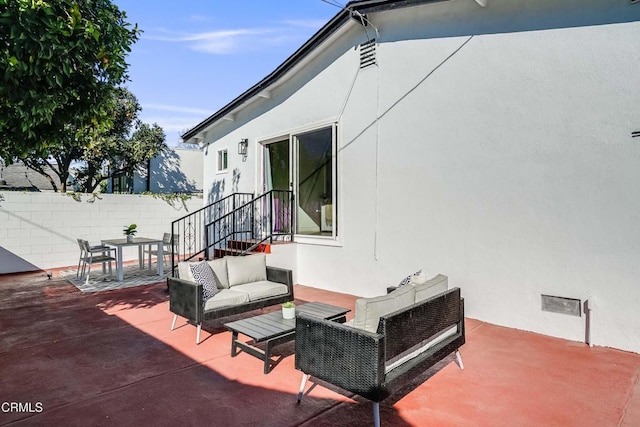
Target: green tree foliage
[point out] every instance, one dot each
(60, 61)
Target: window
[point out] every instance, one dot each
(222, 160)
(121, 183)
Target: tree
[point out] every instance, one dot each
(60, 62)
(127, 144)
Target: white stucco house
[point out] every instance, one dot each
(491, 141)
(176, 170)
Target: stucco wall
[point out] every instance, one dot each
(42, 228)
(491, 145)
(177, 171)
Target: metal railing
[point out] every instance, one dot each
(190, 229)
(268, 217)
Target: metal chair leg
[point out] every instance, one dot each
(86, 279)
(80, 272)
(376, 414)
(173, 324)
(198, 333)
(459, 358)
(305, 377)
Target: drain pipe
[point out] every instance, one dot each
(587, 308)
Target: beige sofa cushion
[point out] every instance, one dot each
(261, 289)
(219, 266)
(246, 269)
(226, 298)
(368, 310)
(184, 270)
(431, 287)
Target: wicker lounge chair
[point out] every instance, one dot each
(367, 363)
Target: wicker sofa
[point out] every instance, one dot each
(243, 284)
(405, 340)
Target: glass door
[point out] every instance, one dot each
(314, 182)
(277, 175)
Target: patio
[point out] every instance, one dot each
(110, 358)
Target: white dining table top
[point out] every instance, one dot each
(136, 241)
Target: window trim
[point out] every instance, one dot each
(219, 159)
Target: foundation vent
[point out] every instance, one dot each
(553, 304)
(368, 53)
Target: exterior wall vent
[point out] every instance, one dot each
(368, 53)
(570, 306)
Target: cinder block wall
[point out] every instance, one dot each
(42, 228)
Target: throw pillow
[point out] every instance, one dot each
(204, 275)
(407, 279)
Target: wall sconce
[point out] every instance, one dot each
(242, 147)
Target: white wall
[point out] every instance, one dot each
(42, 228)
(177, 171)
(491, 145)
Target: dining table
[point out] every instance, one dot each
(140, 242)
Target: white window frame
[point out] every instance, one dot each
(222, 155)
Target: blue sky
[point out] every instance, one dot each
(195, 56)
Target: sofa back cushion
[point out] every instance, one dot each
(219, 266)
(431, 287)
(246, 269)
(368, 310)
(184, 272)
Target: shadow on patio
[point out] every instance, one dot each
(110, 358)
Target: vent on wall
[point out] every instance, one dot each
(561, 305)
(368, 53)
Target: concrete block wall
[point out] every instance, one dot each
(42, 228)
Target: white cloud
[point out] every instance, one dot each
(174, 124)
(217, 42)
(223, 42)
(178, 109)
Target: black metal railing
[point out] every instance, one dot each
(268, 217)
(190, 229)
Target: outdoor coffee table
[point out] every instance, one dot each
(273, 329)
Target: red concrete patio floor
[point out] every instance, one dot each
(110, 359)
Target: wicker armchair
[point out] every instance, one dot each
(366, 363)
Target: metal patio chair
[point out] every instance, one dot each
(168, 248)
(93, 255)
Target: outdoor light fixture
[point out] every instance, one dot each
(242, 147)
